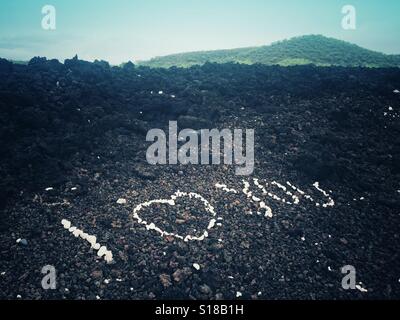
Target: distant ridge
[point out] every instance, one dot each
(309, 49)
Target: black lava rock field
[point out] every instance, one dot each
(73, 165)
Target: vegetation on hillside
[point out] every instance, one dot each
(312, 49)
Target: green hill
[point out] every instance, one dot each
(315, 49)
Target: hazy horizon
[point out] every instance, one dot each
(139, 30)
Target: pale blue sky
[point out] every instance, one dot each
(121, 30)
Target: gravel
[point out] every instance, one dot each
(312, 124)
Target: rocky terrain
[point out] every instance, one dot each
(74, 151)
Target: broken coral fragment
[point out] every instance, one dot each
(102, 250)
